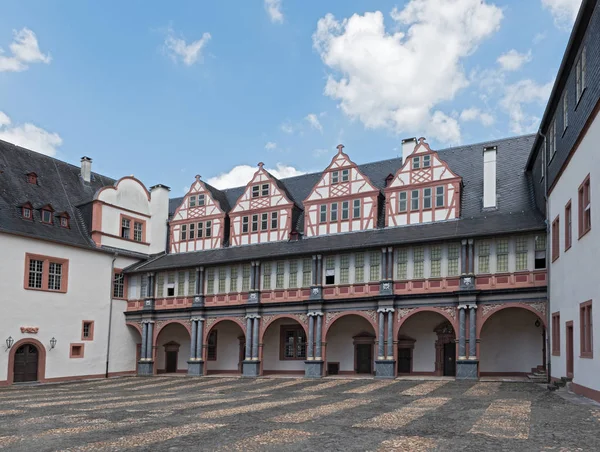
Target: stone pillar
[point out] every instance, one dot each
(200, 340)
(251, 365)
(311, 335)
(319, 345)
(472, 332)
(463, 257)
(195, 364)
(380, 343)
(146, 364)
(193, 353)
(384, 366)
(255, 330)
(248, 338)
(313, 366)
(144, 353)
(252, 277)
(313, 278)
(467, 368)
(390, 334)
(471, 257)
(462, 351)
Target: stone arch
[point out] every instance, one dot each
(414, 311)
(41, 370)
(265, 324)
(330, 321)
(135, 326)
(160, 326)
(210, 327)
(485, 316)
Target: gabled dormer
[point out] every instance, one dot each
(343, 200)
(47, 213)
(199, 222)
(263, 213)
(424, 190)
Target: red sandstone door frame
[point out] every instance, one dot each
(570, 349)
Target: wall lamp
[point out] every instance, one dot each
(52, 342)
(9, 342)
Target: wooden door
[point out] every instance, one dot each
(404, 360)
(570, 349)
(171, 358)
(363, 358)
(26, 364)
(450, 359)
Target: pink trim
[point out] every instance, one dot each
(41, 371)
(77, 344)
(64, 282)
(453, 321)
(482, 319)
(91, 333)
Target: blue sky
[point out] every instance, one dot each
(167, 90)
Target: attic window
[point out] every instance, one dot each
(345, 175)
(64, 220)
(260, 190)
(426, 161)
(27, 211)
(416, 162)
(200, 200)
(32, 178)
(47, 214)
(193, 201)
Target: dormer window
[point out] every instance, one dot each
(27, 211)
(345, 175)
(260, 190)
(47, 214)
(426, 161)
(32, 178)
(64, 220)
(416, 162)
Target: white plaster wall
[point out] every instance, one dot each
(510, 342)
(420, 327)
(574, 275)
(340, 345)
(228, 347)
(271, 347)
(60, 315)
(176, 333)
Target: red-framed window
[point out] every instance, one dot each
(568, 226)
(555, 238)
(133, 229)
(585, 207)
(64, 220)
(27, 211)
(46, 214)
(87, 330)
(46, 273)
(586, 329)
(32, 178)
(212, 346)
(556, 333)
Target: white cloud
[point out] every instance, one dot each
(287, 127)
(563, 11)
(270, 146)
(273, 8)
(177, 48)
(29, 136)
(475, 114)
(522, 93)
(240, 175)
(313, 120)
(386, 80)
(513, 60)
(25, 49)
(539, 37)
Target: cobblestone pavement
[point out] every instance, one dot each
(177, 414)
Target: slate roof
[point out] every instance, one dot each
(516, 210)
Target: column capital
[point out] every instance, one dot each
(473, 306)
(463, 241)
(390, 249)
(314, 314)
(463, 306)
(384, 249)
(319, 256)
(201, 268)
(470, 241)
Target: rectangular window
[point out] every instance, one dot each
(254, 223)
(402, 260)
(193, 201)
(586, 329)
(344, 269)
(210, 281)
(483, 255)
(580, 73)
(552, 141)
(501, 255)
(255, 191)
(293, 277)
(568, 226)
(585, 207)
(436, 261)
(556, 333)
(211, 343)
(160, 285)
(222, 279)
(522, 248)
(334, 211)
(426, 161)
(191, 289)
(323, 214)
(280, 274)
(76, 351)
(87, 330)
(180, 284)
(293, 343)
(54, 276)
(171, 284)
(193, 231)
(345, 210)
(264, 222)
(26, 212)
(427, 198)
(183, 236)
(414, 200)
(335, 177)
(359, 268)
(418, 262)
(565, 111)
(416, 161)
(306, 272)
(46, 216)
(233, 279)
(402, 202)
(118, 285)
(555, 239)
(201, 200)
(125, 228)
(35, 274)
(264, 190)
(244, 225)
(274, 220)
(266, 269)
(208, 229)
(453, 256)
(330, 270)
(374, 266)
(439, 196)
(245, 277)
(345, 175)
(144, 286)
(540, 251)
(356, 208)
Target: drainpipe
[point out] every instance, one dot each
(548, 263)
(110, 289)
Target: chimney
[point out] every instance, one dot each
(86, 168)
(159, 217)
(408, 146)
(489, 176)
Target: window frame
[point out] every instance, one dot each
(322, 213)
(245, 224)
(427, 197)
(345, 210)
(580, 75)
(586, 334)
(583, 192)
(119, 271)
(443, 196)
(72, 347)
(131, 235)
(556, 238)
(46, 260)
(400, 201)
(335, 177)
(333, 212)
(64, 218)
(282, 343)
(90, 335)
(45, 211)
(355, 207)
(427, 159)
(416, 199)
(416, 163)
(345, 175)
(29, 208)
(568, 225)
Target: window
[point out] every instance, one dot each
(118, 284)
(483, 256)
(54, 276)
(330, 270)
(345, 210)
(580, 72)
(556, 333)
(414, 200)
(273, 220)
(323, 214)
(344, 269)
(551, 141)
(426, 161)
(565, 110)
(280, 273)
(521, 249)
(334, 211)
(374, 266)
(208, 229)
(501, 255)
(64, 221)
(306, 272)
(76, 351)
(264, 223)
(436, 261)
(356, 208)
(255, 191)
(171, 284)
(46, 216)
(210, 281)
(345, 175)
(264, 191)
(245, 278)
(266, 268)
(293, 343)
(453, 256)
(293, 277)
(125, 227)
(540, 251)
(191, 289)
(138, 231)
(359, 268)
(416, 162)
(335, 177)
(402, 271)
(439, 196)
(585, 207)
(27, 212)
(201, 200)
(211, 343)
(254, 223)
(222, 279)
(183, 232)
(144, 286)
(244, 225)
(568, 226)
(160, 285)
(233, 279)
(418, 262)
(427, 198)
(87, 330)
(36, 271)
(402, 201)
(200, 231)
(32, 178)
(193, 201)
(586, 329)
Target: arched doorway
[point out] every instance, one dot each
(172, 349)
(350, 346)
(284, 347)
(26, 363)
(511, 343)
(224, 348)
(427, 345)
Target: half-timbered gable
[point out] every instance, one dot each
(423, 190)
(199, 221)
(263, 213)
(343, 200)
